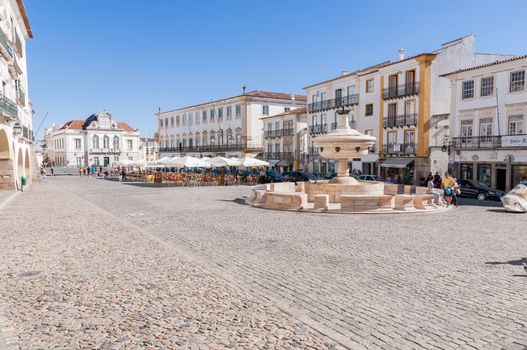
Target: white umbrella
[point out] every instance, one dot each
(167, 160)
(253, 162)
(191, 162)
(222, 161)
(124, 162)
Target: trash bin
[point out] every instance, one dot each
(24, 180)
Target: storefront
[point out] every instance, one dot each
(398, 170)
(501, 176)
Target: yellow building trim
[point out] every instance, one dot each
(423, 119)
(381, 111)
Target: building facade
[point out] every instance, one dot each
(489, 111)
(404, 104)
(17, 149)
(99, 140)
(228, 127)
(285, 139)
(149, 148)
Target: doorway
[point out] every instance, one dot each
(106, 161)
(501, 179)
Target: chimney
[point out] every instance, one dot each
(401, 54)
(244, 87)
(344, 72)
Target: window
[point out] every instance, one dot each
(78, 144)
(517, 81)
(178, 121)
(105, 142)
(116, 142)
(468, 89)
(409, 83)
(238, 111)
(487, 86)
(516, 125)
(277, 148)
(197, 117)
(369, 85)
(220, 114)
(212, 114)
(204, 117)
(338, 97)
(190, 118)
(184, 119)
(287, 109)
(485, 129)
(129, 144)
(392, 85)
(392, 114)
(369, 109)
(172, 122)
(161, 123)
(265, 110)
(466, 131)
(351, 90)
(96, 160)
(229, 112)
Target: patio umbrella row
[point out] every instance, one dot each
(193, 162)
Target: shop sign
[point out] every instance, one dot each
(514, 141)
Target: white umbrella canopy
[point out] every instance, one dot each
(167, 160)
(253, 162)
(222, 161)
(191, 162)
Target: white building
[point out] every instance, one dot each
(285, 139)
(17, 150)
(99, 140)
(149, 148)
(403, 103)
(489, 111)
(227, 127)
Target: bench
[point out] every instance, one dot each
(403, 201)
(422, 200)
(321, 201)
(286, 200)
(358, 202)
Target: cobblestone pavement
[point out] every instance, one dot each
(75, 277)
(425, 281)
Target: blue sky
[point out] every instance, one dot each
(131, 57)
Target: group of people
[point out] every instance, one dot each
(449, 186)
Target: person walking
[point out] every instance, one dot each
(52, 172)
(430, 190)
(456, 191)
(448, 187)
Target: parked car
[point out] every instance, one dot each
(373, 178)
(299, 176)
(479, 190)
(272, 176)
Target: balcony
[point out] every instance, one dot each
(476, 142)
(279, 155)
(288, 132)
(212, 148)
(400, 121)
(325, 105)
(6, 49)
(318, 129)
(105, 151)
(277, 133)
(313, 152)
(400, 149)
(400, 91)
(8, 108)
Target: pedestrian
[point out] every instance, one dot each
(42, 172)
(52, 172)
(437, 180)
(448, 187)
(81, 170)
(455, 192)
(430, 190)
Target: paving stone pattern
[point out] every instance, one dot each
(432, 281)
(75, 277)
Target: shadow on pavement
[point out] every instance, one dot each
(240, 201)
(518, 262)
(476, 203)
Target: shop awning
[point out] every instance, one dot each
(272, 162)
(396, 163)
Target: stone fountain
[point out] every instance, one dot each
(343, 193)
(342, 144)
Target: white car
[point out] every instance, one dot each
(372, 178)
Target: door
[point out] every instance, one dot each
(409, 145)
(392, 85)
(501, 175)
(485, 131)
(338, 97)
(410, 82)
(106, 161)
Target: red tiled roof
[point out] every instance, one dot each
(73, 124)
(484, 65)
(22, 9)
(125, 126)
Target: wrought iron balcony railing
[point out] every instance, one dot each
(313, 151)
(279, 155)
(21, 97)
(400, 149)
(318, 129)
(476, 142)
(6, 48)
(211, 148)
(393, 92)
(325, 105)
(400, 120)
